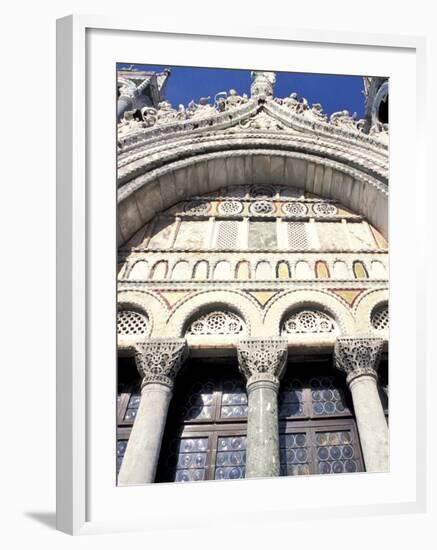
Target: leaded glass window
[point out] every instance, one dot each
(205, 437)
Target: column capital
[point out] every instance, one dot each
(160, 359)
(262, 359)
(358, 355)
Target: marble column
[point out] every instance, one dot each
(359, 358)
(262, 361)
(158, 361)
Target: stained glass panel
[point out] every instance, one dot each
(294, 454)
(326, 397)
(234, 400)
(231, 458)
(191, 459)
(335, 453)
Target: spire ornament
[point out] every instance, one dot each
(262, 85)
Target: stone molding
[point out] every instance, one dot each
(366, 304)
(160, 359)
(262, 359)
(358, 356)
(291, 300)
(187, 309)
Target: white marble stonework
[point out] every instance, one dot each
(251, 226)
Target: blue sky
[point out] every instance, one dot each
(334, 92)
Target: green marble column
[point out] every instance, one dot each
(358, 357)
(262, 361)
(158, 361)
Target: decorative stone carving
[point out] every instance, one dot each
(294, 208)
(308, 322)
(262, 83)
(262, 121)
(358, 356)
(166, 113)
(201, 109)
(229, 100)
(217, 323)
(324, 209)
(380, 318)
(347, 121)
(262, 359)
(262, 207)
(131, 323)
(230, 207)
(316, 113)
(292, 103)
(160, 359)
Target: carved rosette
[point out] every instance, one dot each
(262, 359)
(160, 359)
(358, 356)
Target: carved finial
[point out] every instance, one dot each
(159, 359)
(358, 355)
(262, 84)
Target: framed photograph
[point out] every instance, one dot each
(232, 284)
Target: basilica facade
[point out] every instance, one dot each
(252, 284)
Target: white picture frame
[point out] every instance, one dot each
(78, 231)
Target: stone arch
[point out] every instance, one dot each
(201, 270)
(291, 300)
(159, 270)
(181, 270)
(322, 270)
(340, 270)
(242, 270)
(140, 270)
(377, 270)
(144, 303)
(359, 190)
(303, 270)
(360, 270)
(263, 270)
(365, 305)
(222, 270)
(234, 301)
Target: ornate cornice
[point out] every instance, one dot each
(262, 359)
(358, 355)
(160, 359)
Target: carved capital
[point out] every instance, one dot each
(358, 355)
(159, 359)
(262, 359)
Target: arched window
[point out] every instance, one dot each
(308, 321)
(283, 270)
(132, 323)
(201, 270)
(160, 270)
(263, 271)
(181, 270)
(360, 272)
(222, 270)
(377, 270)
(217, 322)
(303, 270)
(205, 436)
(243, 270)
(379, 318)
(322, 271)
(341, 270)
(139, 271)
